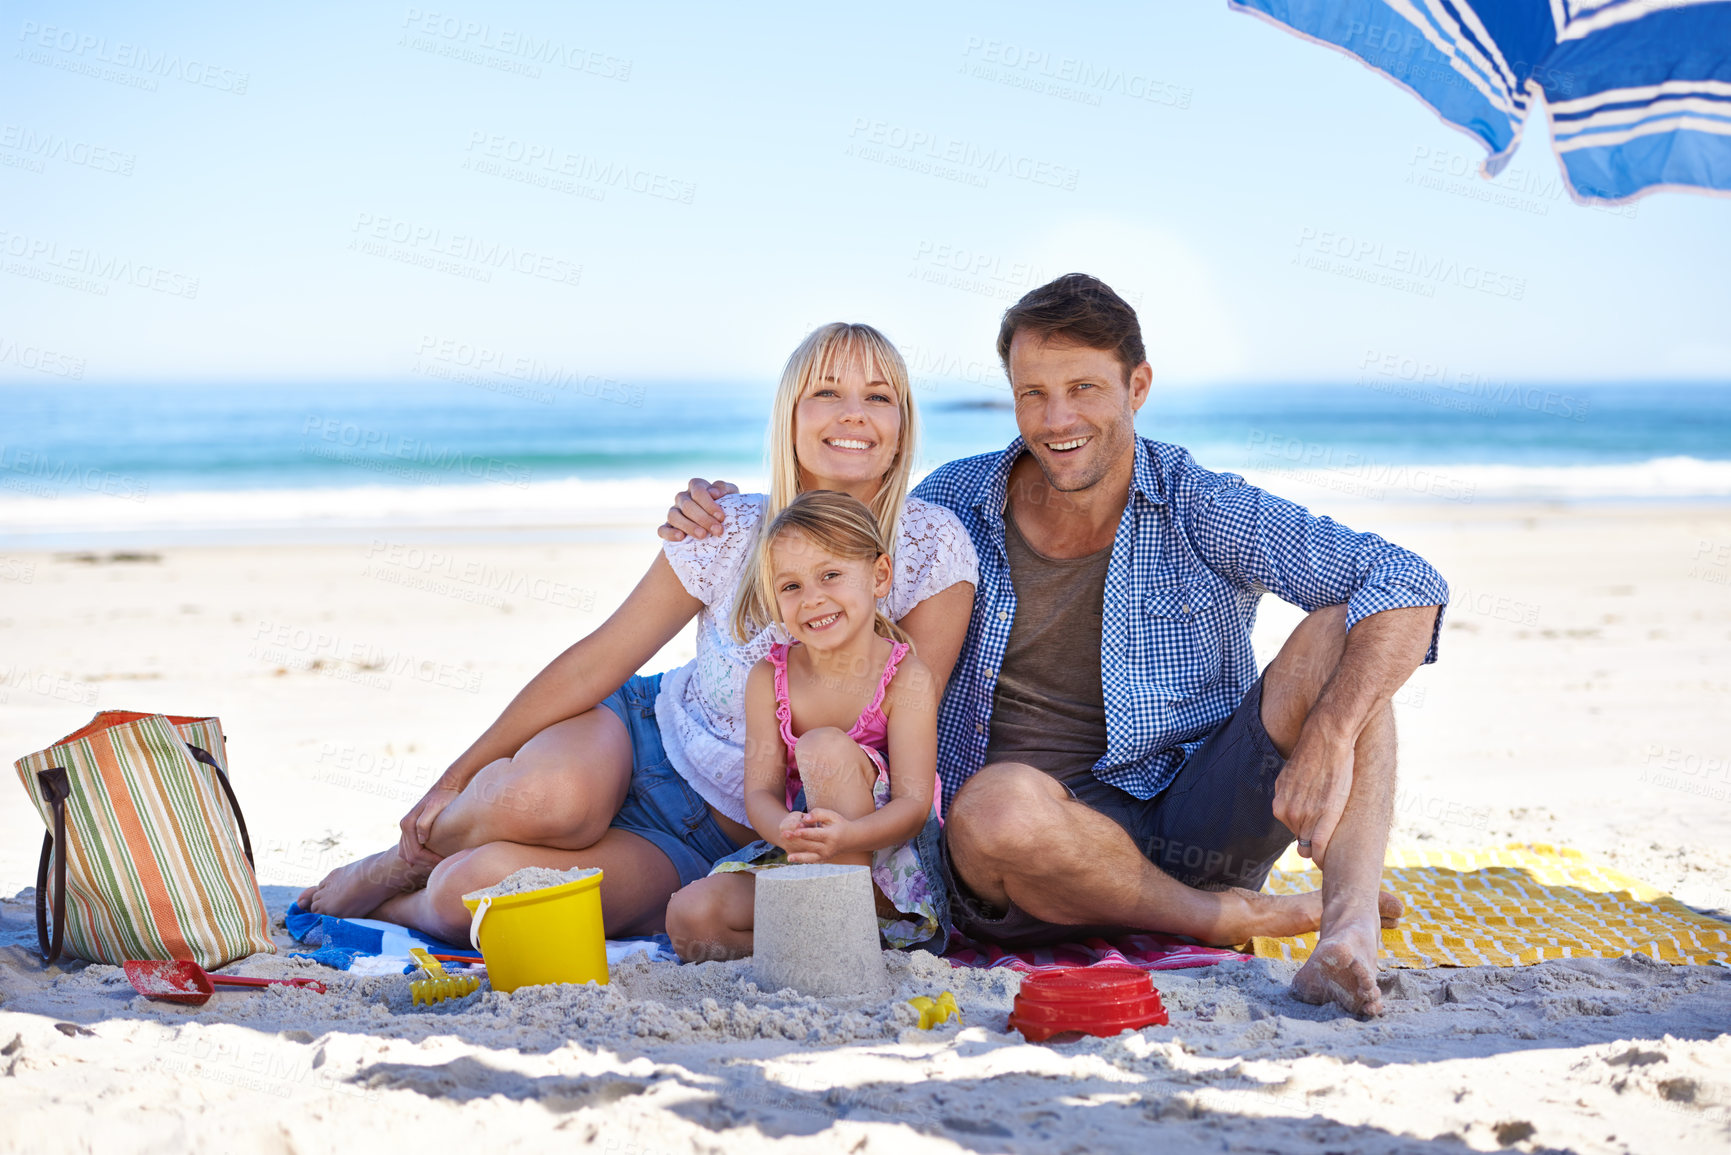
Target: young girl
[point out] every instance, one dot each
(826, 717)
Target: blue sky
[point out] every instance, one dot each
(332, 192)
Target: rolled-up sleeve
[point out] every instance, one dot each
(1267, 544)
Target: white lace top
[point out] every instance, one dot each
(701, 708)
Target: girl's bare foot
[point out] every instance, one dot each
(357, 889)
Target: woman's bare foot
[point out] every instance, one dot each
(1342, 970)
(357, 889)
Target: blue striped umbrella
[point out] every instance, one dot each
(1638, 91)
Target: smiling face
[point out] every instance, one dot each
(847, 427)
(1075, 408)
(825, 600)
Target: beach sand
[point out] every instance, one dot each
(1580, 700)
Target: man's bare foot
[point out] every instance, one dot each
(1341, 970)
(357, 889)
(1283, 915)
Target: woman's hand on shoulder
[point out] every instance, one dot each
(697, 512)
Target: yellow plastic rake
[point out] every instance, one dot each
(431, 984)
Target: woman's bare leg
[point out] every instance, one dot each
(637, 880)
(712, 918)
(560, 791)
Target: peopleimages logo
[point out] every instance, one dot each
(449, 35)
(40, 360)
(36, 473)
(553, 161)
(1463, 390)
(1067, 77)
(425, 244)
(41, 146)
(44, 254)
(936, 153)
(83, 52)
(347, 442)
(1372, 260)
(1351, 472)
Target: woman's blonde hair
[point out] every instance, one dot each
(825, 353)
(834, 522)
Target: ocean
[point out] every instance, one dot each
(83, 464)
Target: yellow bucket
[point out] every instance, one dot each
(552, 935)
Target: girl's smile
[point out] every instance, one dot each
(825, 601)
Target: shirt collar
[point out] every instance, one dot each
(1145, 479)
(994, 486)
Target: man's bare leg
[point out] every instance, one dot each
(561, 790)
(1343, 967)
(1016, 835)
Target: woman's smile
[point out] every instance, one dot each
(847, 429)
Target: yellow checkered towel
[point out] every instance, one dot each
(1514, 906)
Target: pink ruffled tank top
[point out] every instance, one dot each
(871, 729)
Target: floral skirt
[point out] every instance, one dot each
(909, 875)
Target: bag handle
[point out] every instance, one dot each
(202, 755)
(56, 788)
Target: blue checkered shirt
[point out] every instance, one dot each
(1194, 552)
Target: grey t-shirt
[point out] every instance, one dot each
(1049, 711)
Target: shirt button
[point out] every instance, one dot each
(1003, 616)
(979, 727)
(1184, 609)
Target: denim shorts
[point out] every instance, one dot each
(1213, 827)
(661, 805)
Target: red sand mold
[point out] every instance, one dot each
(1086, 1000)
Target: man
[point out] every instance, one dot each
(1109, 754)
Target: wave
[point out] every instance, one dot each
(570, 502)
(582, 503)
(1659, 478)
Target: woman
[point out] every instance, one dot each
(592, 765)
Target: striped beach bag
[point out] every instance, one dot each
(150, 854)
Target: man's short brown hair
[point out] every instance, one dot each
(1079, 309)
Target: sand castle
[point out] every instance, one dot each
(816, 930)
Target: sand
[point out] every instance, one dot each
(1580, 700)
(531, 878)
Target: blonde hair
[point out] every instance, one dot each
(824, 352)
(835, 522)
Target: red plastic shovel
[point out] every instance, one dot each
(183, 981)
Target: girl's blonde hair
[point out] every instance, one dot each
(834, 522)
(825, 352)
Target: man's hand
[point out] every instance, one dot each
(697, 512)
(814, 836)
(417, 827)
(1310, 794)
